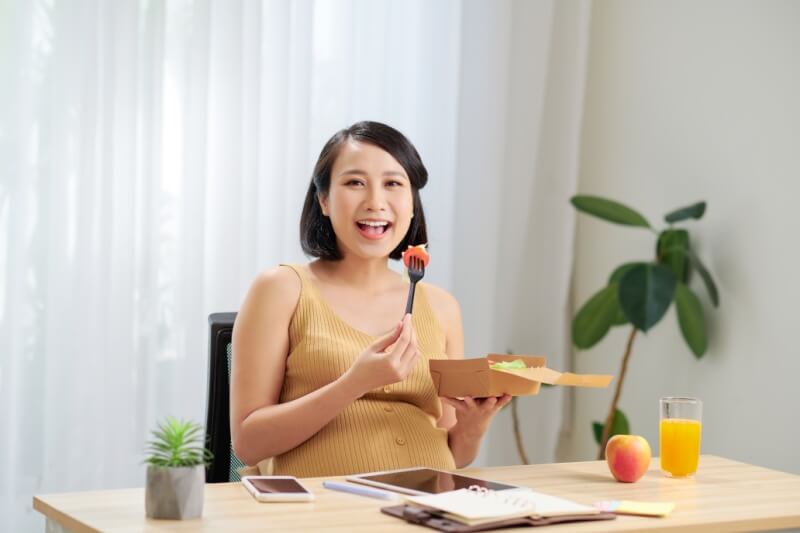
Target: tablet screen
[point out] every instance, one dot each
(425, 480)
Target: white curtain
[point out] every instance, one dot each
(523, 66)
(154, 157)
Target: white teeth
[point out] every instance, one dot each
(373, 223)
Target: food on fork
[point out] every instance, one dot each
(415, 270)
(417, 251)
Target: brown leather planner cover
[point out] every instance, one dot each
(423, 517)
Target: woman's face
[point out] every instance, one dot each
(370, 202)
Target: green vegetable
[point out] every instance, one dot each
(516, 364)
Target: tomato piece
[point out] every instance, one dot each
(416, 251)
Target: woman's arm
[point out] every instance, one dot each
(260, 426)
(466, 420)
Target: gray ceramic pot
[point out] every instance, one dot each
(174, 493)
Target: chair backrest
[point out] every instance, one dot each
(224, 467)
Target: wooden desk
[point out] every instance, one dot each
(725, 496)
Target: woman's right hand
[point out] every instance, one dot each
(376, 367)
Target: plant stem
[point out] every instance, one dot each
(517, 435)
(610, 419)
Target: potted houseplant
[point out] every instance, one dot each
(639, 293)
(176, 464)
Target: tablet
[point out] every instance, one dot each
(420, 481)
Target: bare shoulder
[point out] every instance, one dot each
(445, 306)
(261, 343)
(273, 293)
(280, 282)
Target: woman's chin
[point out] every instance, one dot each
(373, 250)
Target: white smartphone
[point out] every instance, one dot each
(277, 489)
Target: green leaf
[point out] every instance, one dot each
(619, 426)
(706, 276)
(595, 317)
(671, 250)
(645, 292)
(691, 320)
(690, 211)
(177, 443)
(619, 316)
(622, 270)
(609, 210)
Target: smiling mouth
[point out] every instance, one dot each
(373, 230)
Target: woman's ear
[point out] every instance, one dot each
(323, 204)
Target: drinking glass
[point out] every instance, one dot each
(679, 435)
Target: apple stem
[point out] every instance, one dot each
(601, 453)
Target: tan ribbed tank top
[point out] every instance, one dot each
(391, 427)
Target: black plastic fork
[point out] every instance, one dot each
(416, 270)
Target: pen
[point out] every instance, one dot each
(361, 491)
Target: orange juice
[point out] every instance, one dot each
(680, 446)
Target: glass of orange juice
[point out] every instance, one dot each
(679, 435)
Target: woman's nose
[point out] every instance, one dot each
(375, 199)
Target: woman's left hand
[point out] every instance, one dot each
(474, 414)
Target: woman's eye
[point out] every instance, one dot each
(354, 182)
(394, 183)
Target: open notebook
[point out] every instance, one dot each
(477, 505)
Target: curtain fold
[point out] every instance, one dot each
(521, 86)
(154, 157)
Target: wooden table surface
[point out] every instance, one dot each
(724, 496)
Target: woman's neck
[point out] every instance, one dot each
(356, 272)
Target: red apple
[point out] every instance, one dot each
(628, 457)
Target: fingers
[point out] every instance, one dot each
(409, 356)
(470, 402)
(495, 403)
(503, 401)
(390, 338)
(404, 339)
(491, 404)
(458, 404)
(403, 351)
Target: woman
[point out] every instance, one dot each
(326, 378)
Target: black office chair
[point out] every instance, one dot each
(224, 467)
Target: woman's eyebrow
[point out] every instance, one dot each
(359, 172)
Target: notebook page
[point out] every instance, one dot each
(471, 506)
(548, 505)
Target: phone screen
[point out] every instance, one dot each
(433, 481)
(277, 485)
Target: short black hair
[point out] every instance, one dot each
(316, 232)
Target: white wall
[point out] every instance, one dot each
(685, 101)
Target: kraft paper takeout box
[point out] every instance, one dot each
(456, 378)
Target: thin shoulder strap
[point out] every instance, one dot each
(301, 273)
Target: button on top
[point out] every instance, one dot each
(401, 441)
(388, 408)
(386, 389)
